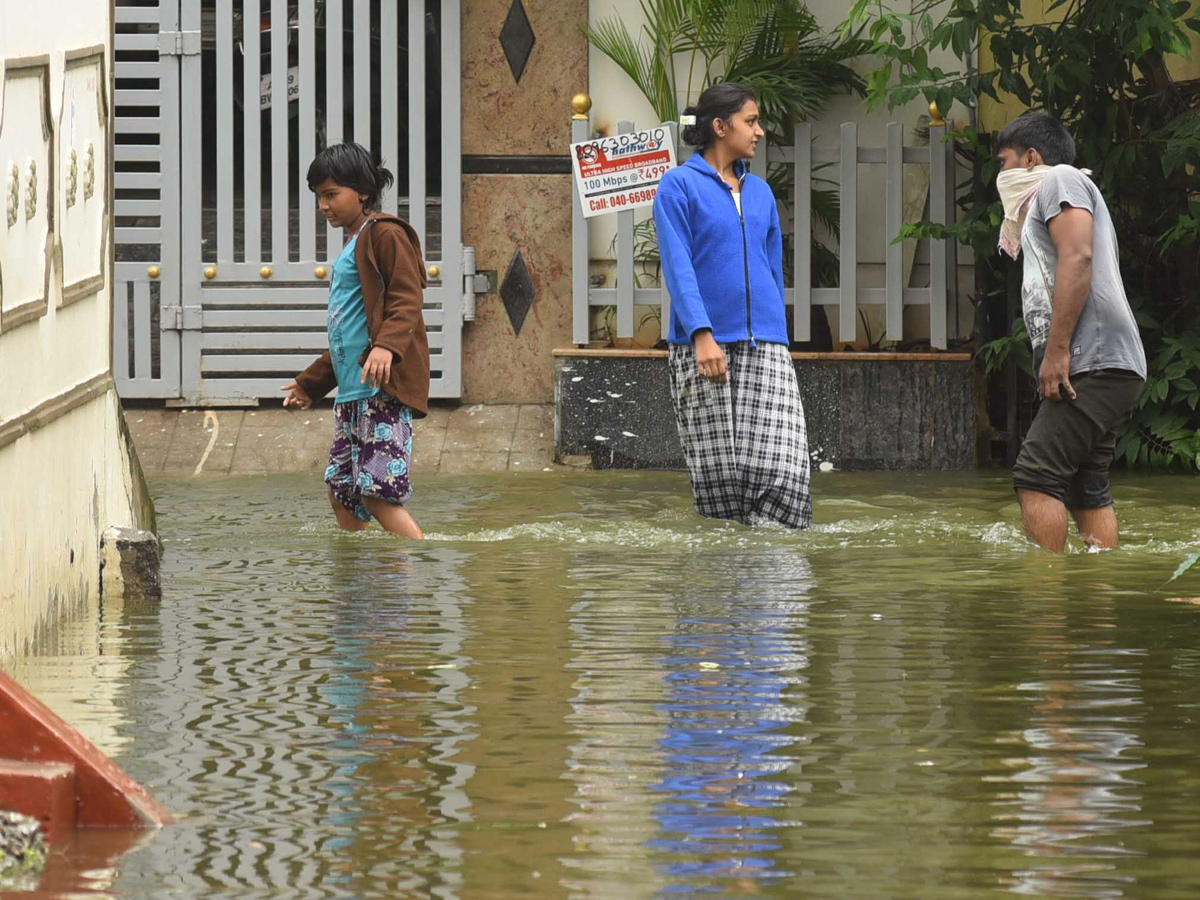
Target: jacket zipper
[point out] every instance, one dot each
(745, 258)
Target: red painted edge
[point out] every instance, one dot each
(31, 731)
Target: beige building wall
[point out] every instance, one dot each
(67, 469)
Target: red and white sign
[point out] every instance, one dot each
(623, 171)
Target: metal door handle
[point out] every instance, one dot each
(434, 272)
(154, 271)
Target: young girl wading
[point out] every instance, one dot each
(737, 404)
(378, 357)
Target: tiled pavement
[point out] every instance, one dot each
(450, 440)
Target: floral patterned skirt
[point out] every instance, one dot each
(371, 454)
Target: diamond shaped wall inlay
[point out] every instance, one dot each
(517, 291)
(517, 39)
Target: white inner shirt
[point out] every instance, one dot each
(737, 199)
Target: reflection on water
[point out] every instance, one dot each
(577, 688)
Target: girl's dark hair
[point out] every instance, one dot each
(719, 101)
(1040, 131)
(350, 165)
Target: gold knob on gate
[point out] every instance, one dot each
(319, 271)
(154, 271)
(210, 272)
(265, 272)
(935, 115)
(435, 272)
(581, 103)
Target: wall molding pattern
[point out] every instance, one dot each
(27, 192)
(83, 163)
(55, 408)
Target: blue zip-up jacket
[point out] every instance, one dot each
(722, 274)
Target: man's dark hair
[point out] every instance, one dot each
(350, 165)
(1040, 131)
(723, 101)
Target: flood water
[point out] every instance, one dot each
(578, 688)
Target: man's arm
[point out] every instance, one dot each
(1071, 232)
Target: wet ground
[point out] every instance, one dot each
(578, 688)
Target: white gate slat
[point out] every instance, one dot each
(389, 98)
(308, 128)
(137, 15)
(848, 245)
(224, 125)
(138, 208)
(141, 329)
(294, 295)
(139, 125)
(313, 341)
(266, 362)
(138, 235)
(128, 97)
(137, 181)
(137, 42)
(217, 319)
(137, 153)
(334, 50)
(416, 121)
(136, 69)
(120, 335)
(280, 212)
(802, 276)
(362, 73)
(893, 219)
(252, 130)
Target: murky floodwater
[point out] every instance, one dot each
(577, 688)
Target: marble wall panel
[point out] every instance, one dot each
(502, 213)
(532, 118)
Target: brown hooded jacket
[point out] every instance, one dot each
(392, 273)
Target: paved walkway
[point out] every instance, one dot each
(450, 440)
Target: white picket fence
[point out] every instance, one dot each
(940, 296)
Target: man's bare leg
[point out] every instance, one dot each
(1045, 519)
(346, 520)
(394, 518)
(1097, 527)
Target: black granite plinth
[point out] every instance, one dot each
(862, 414)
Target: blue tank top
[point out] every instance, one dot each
(348, 335)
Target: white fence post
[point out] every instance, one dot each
(802, 227)
(893, 219)
(937, 248)
(848, 244)
(625, 284)
(579, 246)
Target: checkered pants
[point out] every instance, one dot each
(745, 441)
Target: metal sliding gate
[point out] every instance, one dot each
(223, 258)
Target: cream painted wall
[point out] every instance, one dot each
(63, 484)
(615, 98)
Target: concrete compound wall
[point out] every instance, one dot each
(67, 468)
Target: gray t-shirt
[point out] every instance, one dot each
(1106, 335)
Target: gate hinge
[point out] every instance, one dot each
(179, 43)
(474, 283)
(182, 318)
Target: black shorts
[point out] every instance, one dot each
(1069, 448)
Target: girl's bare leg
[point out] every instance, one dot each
(346, 520)
(394, 518)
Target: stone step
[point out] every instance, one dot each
(41, 790)
(103, 794)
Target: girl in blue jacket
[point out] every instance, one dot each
(737, 403)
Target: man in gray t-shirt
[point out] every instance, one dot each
(1087, 352)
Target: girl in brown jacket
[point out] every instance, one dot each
(378, 357)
